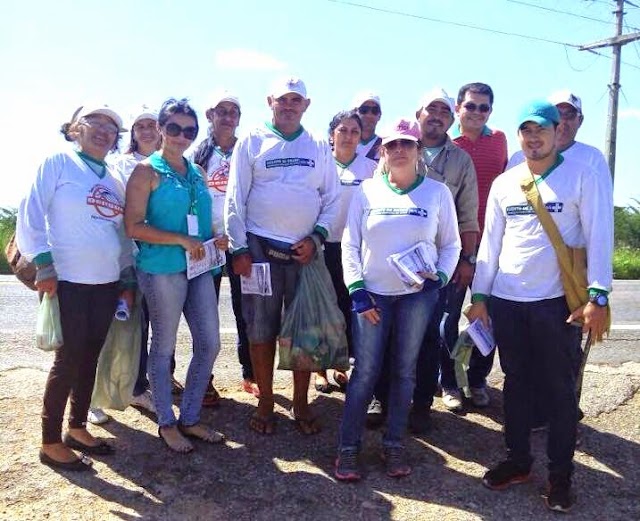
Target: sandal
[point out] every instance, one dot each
(341, 380)
(200, 432)
(101, 449)
(307, 426)
(184, 448)
(78, 465)
(261, 425)
(176, 387)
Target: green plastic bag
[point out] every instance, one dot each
(313, 334)
(118, 364)
(48, 327)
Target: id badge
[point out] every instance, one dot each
(192, 225)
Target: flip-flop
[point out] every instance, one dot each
(307, 426)
(101, 449)
(80, 464)
(261, 425)
(213, 438)
(174, 449)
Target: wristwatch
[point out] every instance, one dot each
(599, 299)
(471, 259)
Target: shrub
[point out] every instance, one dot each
(8, 218)
(626, 263)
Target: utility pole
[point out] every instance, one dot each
(616, 44)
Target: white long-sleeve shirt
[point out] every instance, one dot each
(280, 188)
(78, 217)
(383, 221)
(516, 260)
(351, 176)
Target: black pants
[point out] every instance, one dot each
(86, 312)
(537, 354)
(333, 261)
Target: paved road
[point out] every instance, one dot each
(18, 308)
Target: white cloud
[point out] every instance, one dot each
(629, 114)
(247, 59)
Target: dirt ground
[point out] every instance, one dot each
(289, 476)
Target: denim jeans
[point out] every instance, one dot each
(409, 315)
(168, 296)
(538, 353)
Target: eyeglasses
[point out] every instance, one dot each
(365, 109)
(174, 130)
(400, 143)
(221, 112)
(109, 128)
(472, 107)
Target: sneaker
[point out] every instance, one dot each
(396, 462)
(452, 399)
(559, 497)
(347, 468)
(479, 396)
(420, 419)
(375, 414)
(97, 416)
(144, 401)
(506, 474)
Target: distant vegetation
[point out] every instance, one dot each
(7, 227)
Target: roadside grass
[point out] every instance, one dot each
(626, 263)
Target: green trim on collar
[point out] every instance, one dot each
(404, 191)
(456, 132)
(555, 165)
(87, 157)
(347, 165)
(286, 137)
(363, 142)
(358, 284)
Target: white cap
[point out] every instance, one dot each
(364, 96)
(566, 96)
(143, 112)
(403, 128)
(222, 95)
(287, 85)
(437, 94)
(99, 108)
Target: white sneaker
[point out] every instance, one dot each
(144, 401)
(479, 396)
(97, 416)
(452, 399)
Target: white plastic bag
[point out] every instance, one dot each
(48, 327)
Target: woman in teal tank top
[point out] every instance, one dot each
(168, 213)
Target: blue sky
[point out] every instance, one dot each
(55, 55)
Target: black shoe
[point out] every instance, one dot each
(559, 498)
(420, 420)
(506, 474)
(101, 449)
(375, 414)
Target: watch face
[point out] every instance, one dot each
(602, 300)
(471, 259)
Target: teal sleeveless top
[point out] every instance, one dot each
(169, 204)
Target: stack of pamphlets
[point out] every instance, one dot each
(482, 337)
(414, 264)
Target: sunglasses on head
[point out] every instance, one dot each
(402, 143)
(472, 107)
(365, 109)
(174, 130)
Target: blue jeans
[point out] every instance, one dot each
(409, 316)
(168, 296)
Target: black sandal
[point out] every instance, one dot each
(78, 465)
(101, 449)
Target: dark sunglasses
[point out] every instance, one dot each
(402, 143)
(471, 107)
(174, 130)
(365, 109)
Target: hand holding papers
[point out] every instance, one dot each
(259, 282)
(213, 258)
(414, 265)
(482, 337)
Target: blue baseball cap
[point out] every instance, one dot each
(542, 112)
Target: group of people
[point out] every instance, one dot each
(100, 229)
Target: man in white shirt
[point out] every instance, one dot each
(370, 111)
(518, 282)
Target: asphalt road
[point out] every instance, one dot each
(18, 307)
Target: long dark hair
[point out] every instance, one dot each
(339, 118)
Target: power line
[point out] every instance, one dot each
(608, 22)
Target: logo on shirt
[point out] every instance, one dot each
(219, 178)
(350, 182)
(416, 212)
(105, 201)
(286, 162)
(526, 209)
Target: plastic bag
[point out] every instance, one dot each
(118, 364)
(48, 327)
(313, 334)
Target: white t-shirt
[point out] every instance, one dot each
(516, 260)
(365, 149)
(122, 165)
(217, 181)
(383, 221)
(78, 217)
(351, 176)
(280, 188)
